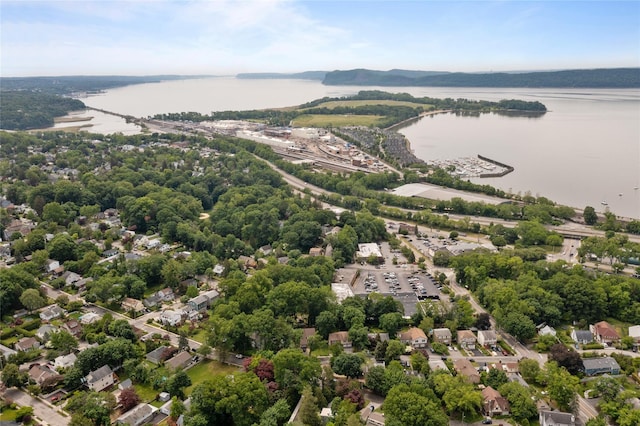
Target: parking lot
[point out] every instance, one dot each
(406, 287)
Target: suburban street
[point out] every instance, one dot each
(47, 414)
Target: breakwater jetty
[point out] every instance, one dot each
(506, 169)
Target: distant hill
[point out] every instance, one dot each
(594, 78)
(307, 75)
(65, 85)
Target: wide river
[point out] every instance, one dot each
(584, 151)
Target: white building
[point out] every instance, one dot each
(100, 379)
(367, 250)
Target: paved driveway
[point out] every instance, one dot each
(47, 414)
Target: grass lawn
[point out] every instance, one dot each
(8, 414)
(205, 370)
(323, 120)
(146, 392)
(199, 336)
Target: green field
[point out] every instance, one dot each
(358, 103)
(322, 120)
(205, 370)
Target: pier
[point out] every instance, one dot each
(507, 169)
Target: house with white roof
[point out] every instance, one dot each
(64, 361)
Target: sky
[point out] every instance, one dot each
(224, 37)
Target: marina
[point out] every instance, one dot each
(471, 167)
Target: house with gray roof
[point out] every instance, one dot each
(155, 356)
(201, 302)
(45, 331)
(139, 415)
(593, 366)
(100, 379)
(582, 337)
(556, 418)
(179, 361)
(442, 335)
(51, 312)
(26, 344)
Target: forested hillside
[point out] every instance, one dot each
(595, 78)
(23, 110)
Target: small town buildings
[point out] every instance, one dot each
(152, 301)
(304, 339)
(6, 352)
(179, 361)
(494, 404)
(128, 304)
(166, 294)
(593, 366)
(442, 335)
(367, 251)
(40, 373)
(156, 356)
(582, 337)
(164, 396)
(414, 337)
(556, 418)
(170, 318)
(634, 333)
(463, 366)
(316, 251)
(70, 278)
(45, 331)
(51, 265)
(73, 327)
(64, 361)
(100, 379)
(547, 331)
(487, 338)
(604, 332)
(370, 417)
(89, 318)
(51, 312)
(202, 302)
(26, 343)
(137, 416)
(340, 337)
(126, 384)
(466, 339)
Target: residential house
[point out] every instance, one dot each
(372, 418)
(70, 278)
(40, 373)
(634, 333)
(487, 338)
(593, 366)
(442, 335)
(45, 331)
(166, 294)
(494, 404)
(152, 301)
(22, 226)
(27, 343)
(100, 379)
(463, 366)
(129, 304)
(604, 332)
(82, 284)
(64, 361)
(73, 327)
(340, 337)
(582, 337)
(51, 265)
(466, 339)
(171, 318)
(556, 418)
(6, 352)
(414, 337)
(137, 416)
(89, 318)
(218, 269)
(202, 302)
(304, 340)
(51, 312)
(266, 250)
(547, 331)
(156, 356)
(246, 262)
(316, 251)
(179, 361)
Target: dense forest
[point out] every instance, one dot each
(24, 110)
(595, 78)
